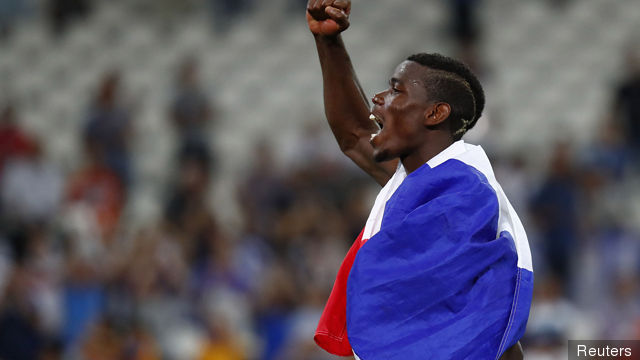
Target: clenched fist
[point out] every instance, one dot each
(328, 17)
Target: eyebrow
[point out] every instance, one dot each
(396, 81)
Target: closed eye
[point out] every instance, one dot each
(393, 85)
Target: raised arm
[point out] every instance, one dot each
(345, 103)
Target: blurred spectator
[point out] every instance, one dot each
(303, 327)
(315, 144)
(44, 263)
(187, 212)
(511, 171)
(96, 188)
(613, 293)
(603, 166)
(13, 140)
(221, 347)
(214, 268)
(31, 187)
(226, 316)
(263, 194)
(191, 112)
(107, 341)
(155, 266)
(62, 12)
(138, 344)
(621, 317)
(554, 207)
(30, 310)
(627, 101)
(20, 334)
(273, 311)
(148, 289)
(551, 322)
(108, 127)
(609, 155)
(84, 298)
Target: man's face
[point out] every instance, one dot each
(400, 111)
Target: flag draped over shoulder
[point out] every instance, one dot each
(447, 276)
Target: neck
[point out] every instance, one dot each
(433, 145)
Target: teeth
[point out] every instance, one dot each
(375, 121)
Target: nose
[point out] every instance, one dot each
(378, 99)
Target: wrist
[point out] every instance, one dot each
(327, 39)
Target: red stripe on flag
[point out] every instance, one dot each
(331, 334)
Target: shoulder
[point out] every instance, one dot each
(453, 177)
(453, 188)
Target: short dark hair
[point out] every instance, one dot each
(453, 82)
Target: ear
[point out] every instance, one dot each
(436, 113)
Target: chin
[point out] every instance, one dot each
(381, 156)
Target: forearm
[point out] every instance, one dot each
(346, 105)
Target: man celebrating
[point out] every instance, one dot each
(442, 269)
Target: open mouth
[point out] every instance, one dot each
(376, 120)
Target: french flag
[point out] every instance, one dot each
(442, 269)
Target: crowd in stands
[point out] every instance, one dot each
(76, 283)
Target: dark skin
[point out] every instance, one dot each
(414, 128)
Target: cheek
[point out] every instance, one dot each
(406, 109)
(400, 137)
(409, 124)
(407, 115)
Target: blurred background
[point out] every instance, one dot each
(169, 188)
